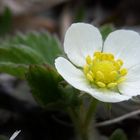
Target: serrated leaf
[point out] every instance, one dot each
(46, 88)
(46, 45)
(106, 29)
(14, 69)
(16, 60)
(44, 84)
(32, 48)
(20, 55)
(118, 135)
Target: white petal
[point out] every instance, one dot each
(70, 73)
(107, 95)
(131, 86)
(81, 40)
(76, 78)
(134, 73)
(124, 44)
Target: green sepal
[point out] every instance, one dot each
(106, 29)
(70, 95)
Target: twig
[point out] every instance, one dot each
(118, 119)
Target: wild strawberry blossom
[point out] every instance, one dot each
(108, 71)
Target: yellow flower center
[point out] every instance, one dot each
(104, 71)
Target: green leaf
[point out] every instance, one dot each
(20, 55)
(21, 51)
(106, 29)
(118, 135)
(46, 45)
(48, 88)
(14, 69)
(16, 60)
(43, 81)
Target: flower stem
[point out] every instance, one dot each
(82, 120)
(91, 111)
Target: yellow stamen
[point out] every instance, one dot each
(117, 65)
(89, 77)
(123, 72)
(122, 79)
(104, 71)
(104, 56)
(114, 74)
(91, 73)
(88, 59)
(110, 56)
(120, 62)
(111, 85)
(101, 84)
(97, 54)
(86, 69)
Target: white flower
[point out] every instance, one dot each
(108, 71)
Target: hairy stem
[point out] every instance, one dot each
(82, 119)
